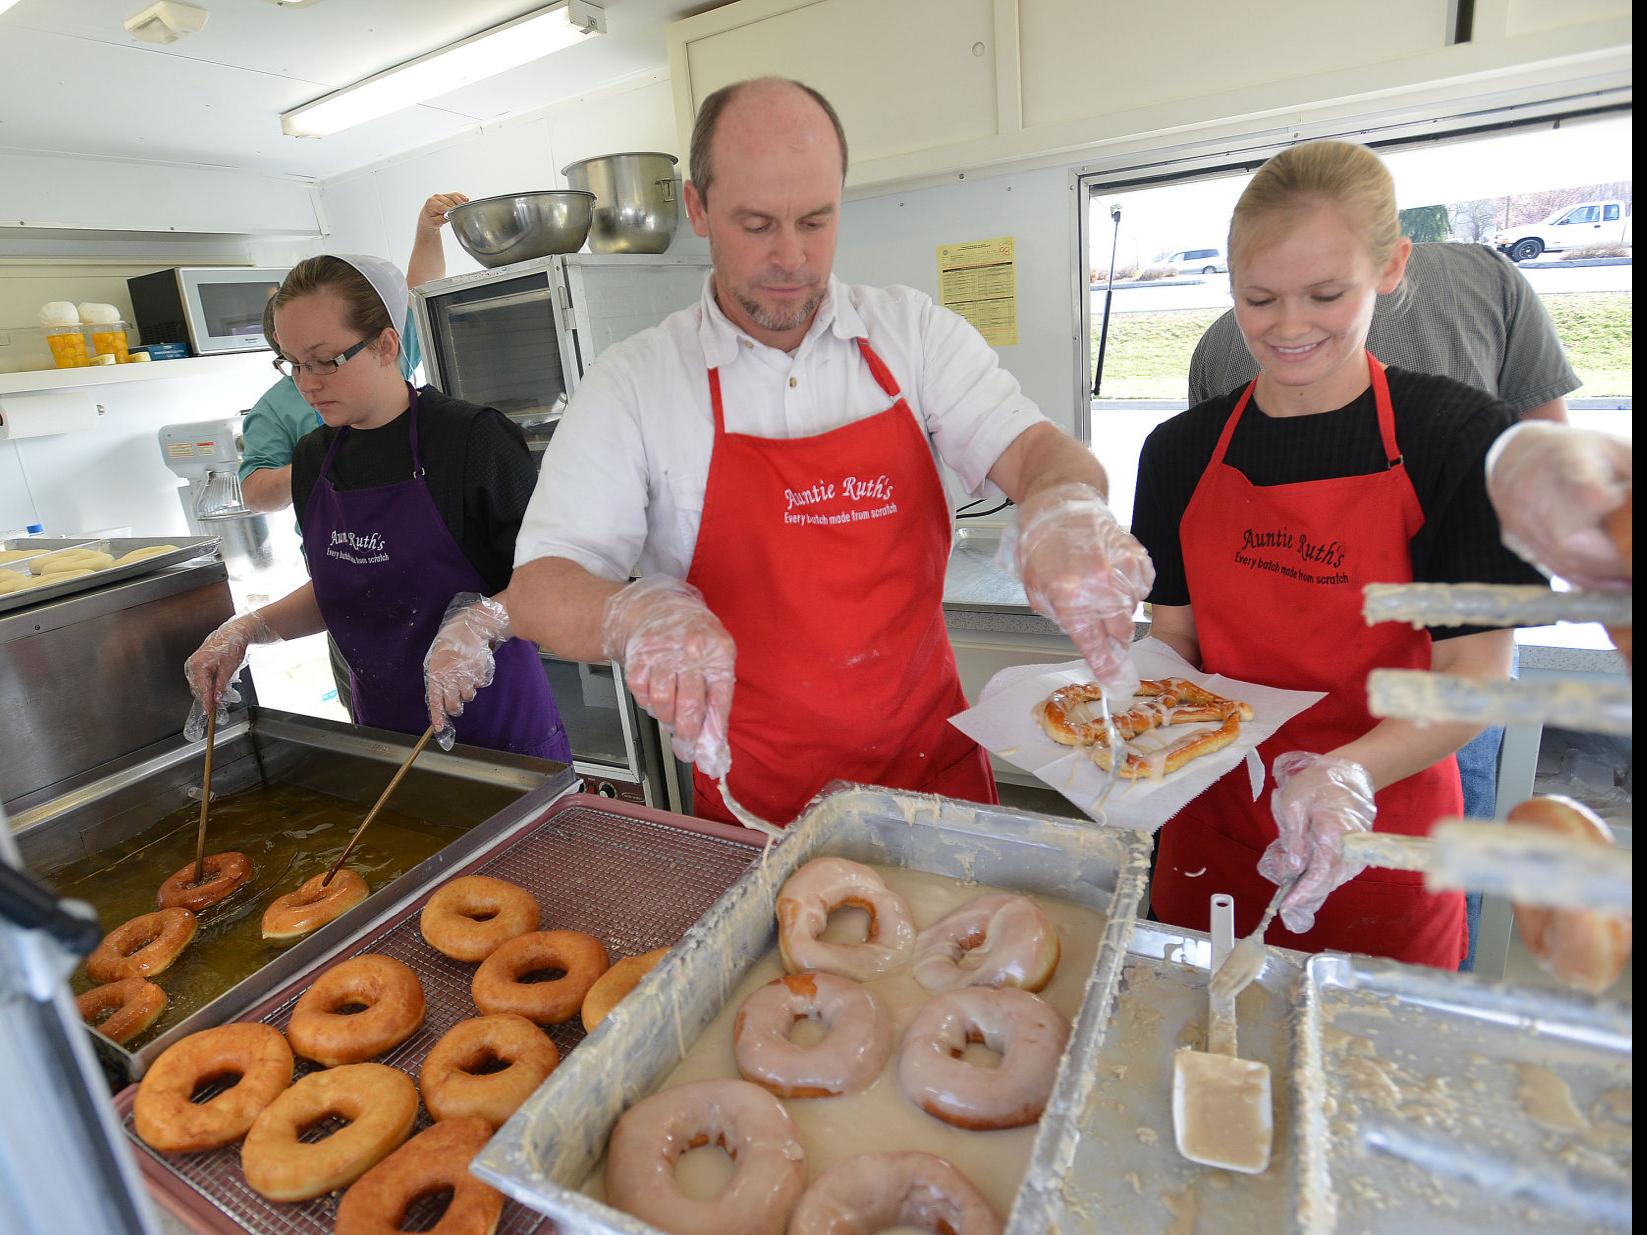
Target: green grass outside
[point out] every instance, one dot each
(1149, 353)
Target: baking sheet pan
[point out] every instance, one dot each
(187, 550)
(542, 1155)
(593, 864)
(1445, 1103)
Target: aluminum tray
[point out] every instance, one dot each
(546, 1150)
(1445, 1103)
(186, 550)
(634, 877)
(1115, 1164)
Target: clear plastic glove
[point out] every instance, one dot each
(1083, 571)
(679, 662)
(460, 662)
(1552, 486)
(212, 669)
(1317, 799)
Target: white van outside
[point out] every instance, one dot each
(1197, 261)
(1586, 225)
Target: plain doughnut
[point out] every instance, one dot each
(848, 1058)
(143, 554)
(615, 983)
(311, 906)
(165, 1114)
(746, 1121)
(392, 998)
(995, 940)
(1580, 947)
(224, 873)
(70, 559)
(146, 945)
(823, 885)
(380, 1105)
(452, 1085)
(872, 1192)
(130, 1005)
(1026, 1031)
(497, 985)
(468, 918)
(435, 1160)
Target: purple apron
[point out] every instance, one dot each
(384, 567)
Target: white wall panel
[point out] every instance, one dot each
(902, 76)
(1084, 58)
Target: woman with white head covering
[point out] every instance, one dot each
(409, 502)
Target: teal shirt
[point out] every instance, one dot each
(281, 417)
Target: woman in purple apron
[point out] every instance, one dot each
(408, 501)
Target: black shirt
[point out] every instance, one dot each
(1442, 428)
(475, 461)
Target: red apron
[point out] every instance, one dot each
(1275, 576)
(824, 557)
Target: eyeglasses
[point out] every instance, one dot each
(318, 368)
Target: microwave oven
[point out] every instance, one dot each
(212, 309)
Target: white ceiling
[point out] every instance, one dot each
(72, 81)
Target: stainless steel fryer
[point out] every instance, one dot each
(492, 791)
(635, 878)
(545, 1151)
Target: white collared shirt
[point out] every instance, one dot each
(622, 483)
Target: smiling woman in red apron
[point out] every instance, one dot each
(406, 500)
(1266, 511)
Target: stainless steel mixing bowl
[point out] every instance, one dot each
(637, 203)
(516, 227)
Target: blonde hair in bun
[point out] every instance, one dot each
(1343, 175)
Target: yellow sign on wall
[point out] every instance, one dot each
(979, 280)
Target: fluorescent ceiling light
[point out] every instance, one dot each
(483, 55)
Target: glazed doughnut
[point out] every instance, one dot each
(872, 1192)
(1581, 947)
(311, 906)
(749, 1123)
(995, 940)
(435, 1160)
(380, 1105)
(392, 998)
(452, 1085)
(615, 983)
(224, 873)
(146, 945)
(824, 885)
(70, 559)
(1026, 1031)
(167, 1117)
(131, 1005)
(497, 985)
(468, 918)
(848, 1058)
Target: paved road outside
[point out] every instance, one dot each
(1213, 290)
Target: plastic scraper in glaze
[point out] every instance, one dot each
(1223, 1113)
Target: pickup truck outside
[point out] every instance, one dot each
(1586, 225)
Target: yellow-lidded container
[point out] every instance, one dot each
(109, 339)
(68, 347)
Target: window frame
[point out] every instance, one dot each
(1220, 157)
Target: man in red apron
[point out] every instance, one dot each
(776, 448)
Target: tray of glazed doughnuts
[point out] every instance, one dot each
(893, 1015)
(368, 1082)
(35, 569)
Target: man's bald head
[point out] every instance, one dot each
(767, 105)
